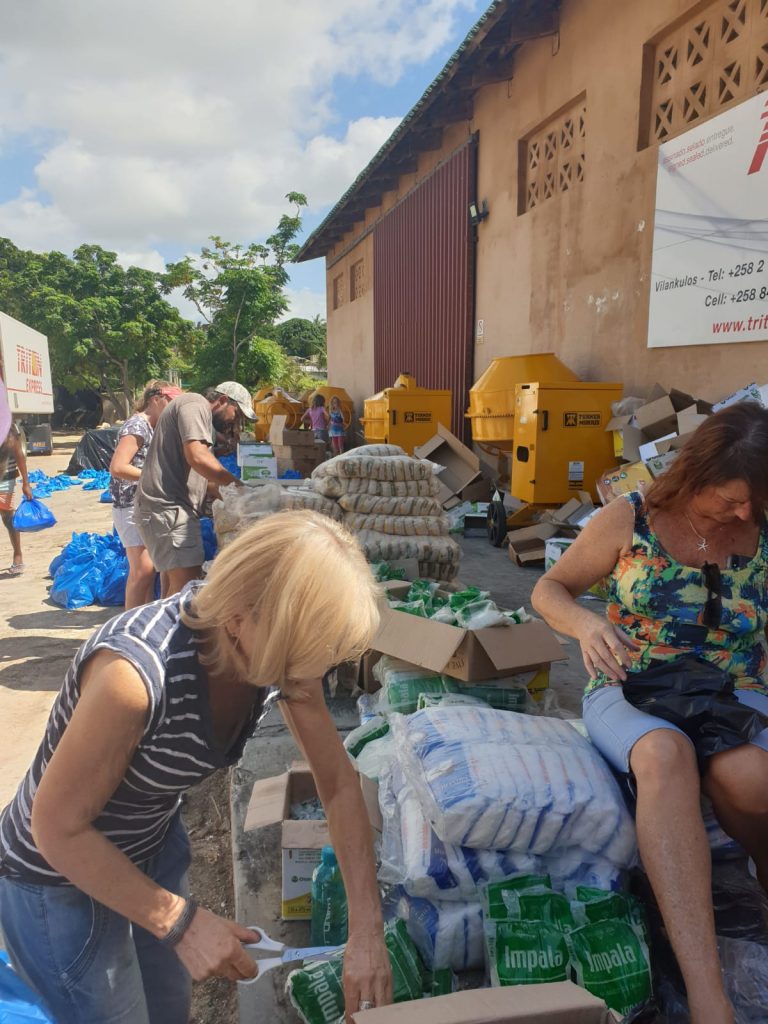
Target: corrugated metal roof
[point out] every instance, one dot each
(402, 129)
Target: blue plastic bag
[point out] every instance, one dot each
(210, 542)
(111, 591)
(106, 497)
(32, 516)
(92, 569)
(18, 1003)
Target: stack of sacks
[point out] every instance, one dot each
(388, 499)
(473, 795)
(241, 507)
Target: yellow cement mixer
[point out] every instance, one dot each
(270, 402)
(546, 429)
(347, 405)
(405, 414)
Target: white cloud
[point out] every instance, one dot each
(167, 122)
(304, 303)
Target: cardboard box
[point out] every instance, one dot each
(651, 449)
(259, 468)
(659, 415)
(622, 480)
(461, 465)
(278, 435)
(553, 1003)
(573, 512)
(465, 654)
(302, 841)
(250, 450)
(659, 465)
(750, 393)
(627, 438)
(315, 453)
(528, 545)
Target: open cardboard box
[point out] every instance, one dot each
(623, 479)
(527, 546)
(461, 466)
(281, 437)
(464, 654)
(301, 842)
(658, 416)
(554, 1003)
(627, 438)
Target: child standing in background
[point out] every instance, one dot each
(318, 419)
(337, 431)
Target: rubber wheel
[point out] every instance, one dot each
(497, 523)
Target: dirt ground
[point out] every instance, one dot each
(37, 640)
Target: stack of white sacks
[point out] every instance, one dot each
(476, 795)
(388, 499)
(383, 495)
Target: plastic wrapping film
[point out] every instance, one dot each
(374, 505)
(447, 935)
(380, 547)
(364, 465)
(335, 487)
(492, 779)
(400, 526)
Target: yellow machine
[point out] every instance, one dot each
(271, 402)
(406, 414)
(347, 405)
(560, 443)
(492, 401)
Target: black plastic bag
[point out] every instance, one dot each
(698, 698)
(94, 451)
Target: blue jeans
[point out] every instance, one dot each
(89, 964)
(614, 725)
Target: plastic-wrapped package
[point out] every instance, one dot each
(240, 507)
(316, 991)
(611, 961)
(401, 684)
(374, 505)
(503, 694)
(381, 547)
(499, 780)
(447, 935)
(526, 953)
(399, 526)
(334, 487)
(299, 498)
(375, 759)
(362, 464)
(745, 969)
(367, 732)
(413, 856)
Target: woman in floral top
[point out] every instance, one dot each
(127, 462)
(688, 570)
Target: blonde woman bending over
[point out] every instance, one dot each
(94, 902)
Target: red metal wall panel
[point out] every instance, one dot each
(423, 286)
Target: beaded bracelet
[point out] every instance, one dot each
(179, 929)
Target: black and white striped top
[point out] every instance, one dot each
(176, 750)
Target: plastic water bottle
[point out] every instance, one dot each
(329, 902)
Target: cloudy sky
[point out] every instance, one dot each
(148, 126)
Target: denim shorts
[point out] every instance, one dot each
(90, 965)
(614, 725)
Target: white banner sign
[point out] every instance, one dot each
(26, 367)
(709, 277)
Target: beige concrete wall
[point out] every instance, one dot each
(572, 275)
(350, 328)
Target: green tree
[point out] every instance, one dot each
(300, 337)
(239, 292)
(107, 327)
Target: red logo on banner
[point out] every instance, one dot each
(762, 146)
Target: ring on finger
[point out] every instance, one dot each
(365, 1004)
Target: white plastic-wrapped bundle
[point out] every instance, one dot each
(399, 526)
(362, 464)
(304, 498)
(447, 935)
(414, 857)
(374, 505)
(402, 683)
(241, 507)
(334, 487)
(381, 547)
(500, 780)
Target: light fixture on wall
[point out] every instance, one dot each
(478, 213)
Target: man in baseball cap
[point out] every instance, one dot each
(179, 470)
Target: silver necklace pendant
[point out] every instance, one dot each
(703, 545)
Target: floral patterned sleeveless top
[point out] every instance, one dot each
(659, 603)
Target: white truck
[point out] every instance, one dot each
(26, 371)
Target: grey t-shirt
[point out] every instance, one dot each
(167, 478)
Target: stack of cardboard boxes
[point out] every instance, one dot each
(295, 451)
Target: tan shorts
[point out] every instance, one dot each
(172, 537)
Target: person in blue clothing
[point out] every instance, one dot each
(336, 426)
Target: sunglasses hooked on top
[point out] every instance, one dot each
(713, 607)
